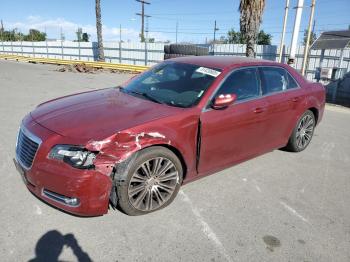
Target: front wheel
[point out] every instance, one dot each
(302, 133)
(153, 179)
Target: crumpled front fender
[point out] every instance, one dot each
(120, 146)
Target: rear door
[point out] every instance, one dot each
(283, 95)
(234, 133)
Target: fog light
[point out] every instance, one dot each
(69, 201)
(72, 201)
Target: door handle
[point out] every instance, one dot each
(259, 110)
(295, 99)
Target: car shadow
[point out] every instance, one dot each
(50, 246)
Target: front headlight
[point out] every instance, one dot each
(75, 156)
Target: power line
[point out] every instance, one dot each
(211, 33)
(196, 13)
(195, 30)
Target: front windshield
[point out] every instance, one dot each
(172, 83)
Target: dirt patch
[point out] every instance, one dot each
(78, 68)
(84, 68)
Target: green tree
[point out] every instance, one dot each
(250, 20)
(81, 37)
(79, 34)
(264, 38)
(312, 38)
(35, 35)
(85, 37)
(234, 37)
(14, 35)
(223, 40)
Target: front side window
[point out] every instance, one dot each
(173, 83)
(276, 79)
(243, 83)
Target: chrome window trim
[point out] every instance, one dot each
(208, 108)
(31, 136)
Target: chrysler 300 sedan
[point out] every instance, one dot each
(134, 145)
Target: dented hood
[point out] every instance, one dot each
(98, 114)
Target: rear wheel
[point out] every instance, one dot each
(302, 133)
(153, 180)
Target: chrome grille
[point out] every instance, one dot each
(26, 148)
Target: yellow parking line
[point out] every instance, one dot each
(97, 64)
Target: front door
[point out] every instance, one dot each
(237, 132)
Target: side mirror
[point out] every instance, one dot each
(223, 101)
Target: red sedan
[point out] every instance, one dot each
(133, 146)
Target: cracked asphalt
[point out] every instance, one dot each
(277, 207)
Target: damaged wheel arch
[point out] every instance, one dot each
(122, 165)
(124, 171)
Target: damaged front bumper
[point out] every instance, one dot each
(84, 192)
(81, 192)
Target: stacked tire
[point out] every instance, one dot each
(178, 50)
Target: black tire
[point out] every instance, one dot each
(183, 49)
(200, 51)
(294, 144)
(126, 170)
(166, 49)
(170, 56)
(167, 56)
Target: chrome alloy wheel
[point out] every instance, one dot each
(153, 184)
(305, 131)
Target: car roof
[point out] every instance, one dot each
(222, 62)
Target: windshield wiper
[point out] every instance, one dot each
(151, 98)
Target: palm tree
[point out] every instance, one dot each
(101, 56)
(250, 20)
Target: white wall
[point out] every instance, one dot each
(126, 53)
(135, 53)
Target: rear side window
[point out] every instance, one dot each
(276, 79)
(291, 82)
(243, 83)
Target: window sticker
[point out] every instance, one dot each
(208, 71)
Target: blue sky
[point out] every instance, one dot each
(195, 18)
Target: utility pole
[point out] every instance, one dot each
(293, 48)
(309, 32)
(47, 48)
(120, 43)
(146, 43)
(283, 31)
(215, 29)
(177, 27)
(120, 33)
(143, 2)
(62, 39)
(1, 35)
